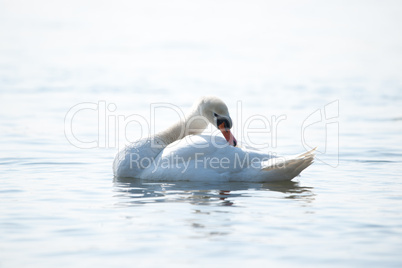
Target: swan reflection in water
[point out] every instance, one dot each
(136, 192)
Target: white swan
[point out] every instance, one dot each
(180, 153)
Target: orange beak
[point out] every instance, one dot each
(228, 135)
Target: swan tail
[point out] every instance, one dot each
(286, 168)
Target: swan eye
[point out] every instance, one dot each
(215, 114)
(225, 121)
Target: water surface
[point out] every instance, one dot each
(331, 71)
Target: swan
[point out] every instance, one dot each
(181, 153)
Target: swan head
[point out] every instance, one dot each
(217, 113)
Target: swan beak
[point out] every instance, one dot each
(228, 135)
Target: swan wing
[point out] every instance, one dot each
(286, 168)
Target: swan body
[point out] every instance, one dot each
(209, 158)
(178, 154)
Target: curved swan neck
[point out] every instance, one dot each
(193, 124)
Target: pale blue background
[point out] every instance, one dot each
(60, 205)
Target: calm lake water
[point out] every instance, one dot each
(313, 74)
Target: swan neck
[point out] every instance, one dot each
(193, 124)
